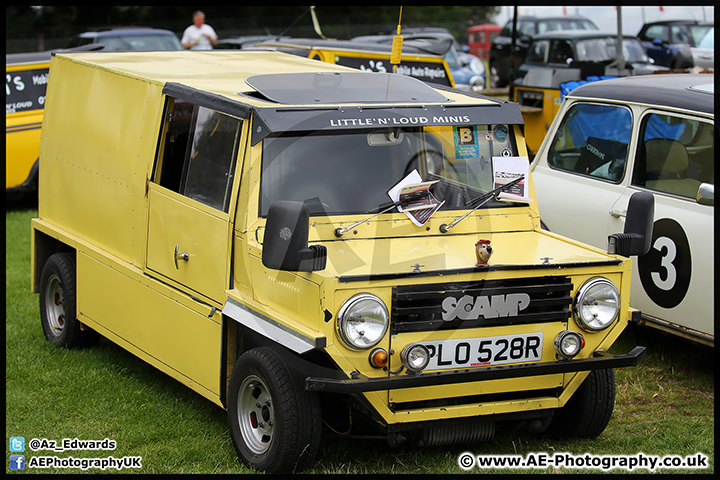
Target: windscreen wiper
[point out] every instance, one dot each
(404, 201)
(339, 232)
(483, 199)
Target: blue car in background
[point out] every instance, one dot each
(669, 42)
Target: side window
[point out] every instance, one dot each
(560, 51)
(592, 140)
(537, 52)
(198, 155)
(675, 154)
(527, 28)
(507, 30)
(679, 35)
(658, 31)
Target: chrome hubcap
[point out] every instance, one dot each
(54, 305)
(255, 414)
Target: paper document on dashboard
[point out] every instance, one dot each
(416, 199)
(507, 169)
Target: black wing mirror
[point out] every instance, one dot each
(285, 242)
(638, 227)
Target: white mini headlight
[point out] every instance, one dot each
(597, 304)
(362, 321)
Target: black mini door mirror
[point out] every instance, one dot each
(285, 242)
(638, 227)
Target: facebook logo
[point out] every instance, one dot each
(17, 462)
(17, 444)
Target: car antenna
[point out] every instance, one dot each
(396, 52)
(293, 23)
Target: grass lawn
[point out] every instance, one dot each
(665, 406)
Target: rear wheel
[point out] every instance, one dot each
(274, 422)
(588, 411)
(58, 309)
(681, 64)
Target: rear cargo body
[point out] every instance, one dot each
(221, 230)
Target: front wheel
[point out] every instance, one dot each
(588, 411)
(58, 304)
(274, 422)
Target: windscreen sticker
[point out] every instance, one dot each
(666, 269)
(466, 142)
(501, 133)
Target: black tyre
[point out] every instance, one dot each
(274, 422)
(58, 309)
(588, 411)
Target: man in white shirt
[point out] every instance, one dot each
(199, 35)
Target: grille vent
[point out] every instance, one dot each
(417, 308)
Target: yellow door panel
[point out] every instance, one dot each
(189, 243)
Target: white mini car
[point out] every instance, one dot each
(615, 137)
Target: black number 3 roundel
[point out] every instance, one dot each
(665, 270)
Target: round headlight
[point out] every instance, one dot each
(415, 357)
(477, 66)
(596, 304)
(568, 344)
(362, 321)
(477, 83)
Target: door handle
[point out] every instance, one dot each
(618, 213)
(182, 256)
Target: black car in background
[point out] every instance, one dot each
(567, 56)
(527, 28)
(669, 42)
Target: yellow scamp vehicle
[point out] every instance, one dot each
(26, 77)
(425, 63)
(234, 220)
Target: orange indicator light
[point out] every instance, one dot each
(378, 358)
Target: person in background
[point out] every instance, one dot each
(199, 35)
